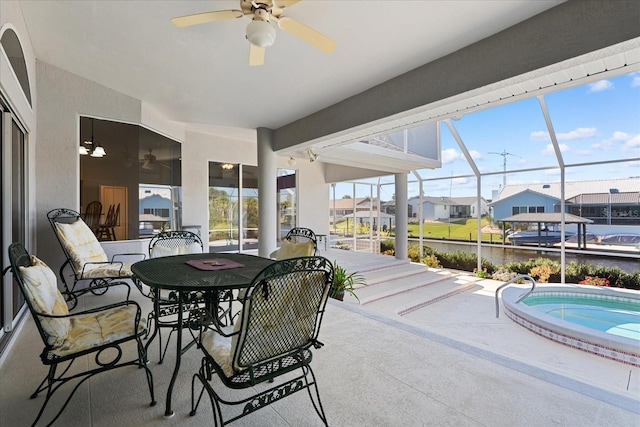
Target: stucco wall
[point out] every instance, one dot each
(62, 98)
(502, 208)
(197, 151)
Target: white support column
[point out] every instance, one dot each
(402, 215)
(267, 189)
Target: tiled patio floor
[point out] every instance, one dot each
(449, 363)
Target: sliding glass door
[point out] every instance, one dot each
(14, 209)
(233, 207)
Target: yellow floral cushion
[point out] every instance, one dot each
(192, 248)
(219, 348)
(41, 287)
(96, 329)
(81, 244)
(83, 248)
(92, 271)
(161, 251)
(294, 250)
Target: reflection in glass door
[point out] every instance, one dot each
(14, 210)
(287, 201)
(223, 207)
(249, 208)
(230, 197)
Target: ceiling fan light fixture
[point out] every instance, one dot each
(83, 150)
(261, 33)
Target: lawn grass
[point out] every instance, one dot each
(463, 229)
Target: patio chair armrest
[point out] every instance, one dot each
(91, 310)
(84, 266)
(133, 254)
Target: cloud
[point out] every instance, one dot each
(461, 181)
(476, 155)
(632, 144)
(636, 81)
(621, 136)
(578, 133)
(450, 154)
(604, 145)
(549, 149)
(600, 85)
(540, 135)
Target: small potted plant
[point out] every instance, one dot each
(345, 282)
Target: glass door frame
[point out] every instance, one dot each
(9, 122)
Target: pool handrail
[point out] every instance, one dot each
(515, 279)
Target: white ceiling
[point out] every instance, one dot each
(200, 75)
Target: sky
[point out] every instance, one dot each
(594, 122)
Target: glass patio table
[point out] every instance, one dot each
(207, 273)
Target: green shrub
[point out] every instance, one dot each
(541, 268)
(463, 261)
(388, 245)
(431, 261)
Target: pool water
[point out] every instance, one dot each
(615, 316)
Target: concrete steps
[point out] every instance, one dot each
(402, 289)
(399, 287)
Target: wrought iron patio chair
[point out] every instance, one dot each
(92, 214)
(276, 331)
(107, 230)
(100, 333)
(164, 314)
(299, 241)
(85, 257)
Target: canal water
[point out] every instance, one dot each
(500, 255)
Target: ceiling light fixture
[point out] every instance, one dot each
(92, 147)
(227, 166)
(291, 162)
(260, 32)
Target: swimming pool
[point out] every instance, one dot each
(603, 321)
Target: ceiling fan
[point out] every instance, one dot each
(149, 161)
(260, 33)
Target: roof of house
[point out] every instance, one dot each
(573, 188)
(603, 198)
(447, 200)
(347, 203)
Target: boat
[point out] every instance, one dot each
(543, 237)
(621, 239)
(590, 238)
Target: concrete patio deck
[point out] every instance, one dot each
(447, 361)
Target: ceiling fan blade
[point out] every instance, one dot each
(203, 18)
(285, 3)
(307, 34)
(256, 55)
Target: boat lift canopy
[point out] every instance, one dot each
(551, 218)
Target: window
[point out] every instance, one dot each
(141, 172)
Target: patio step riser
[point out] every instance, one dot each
(408, 289)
